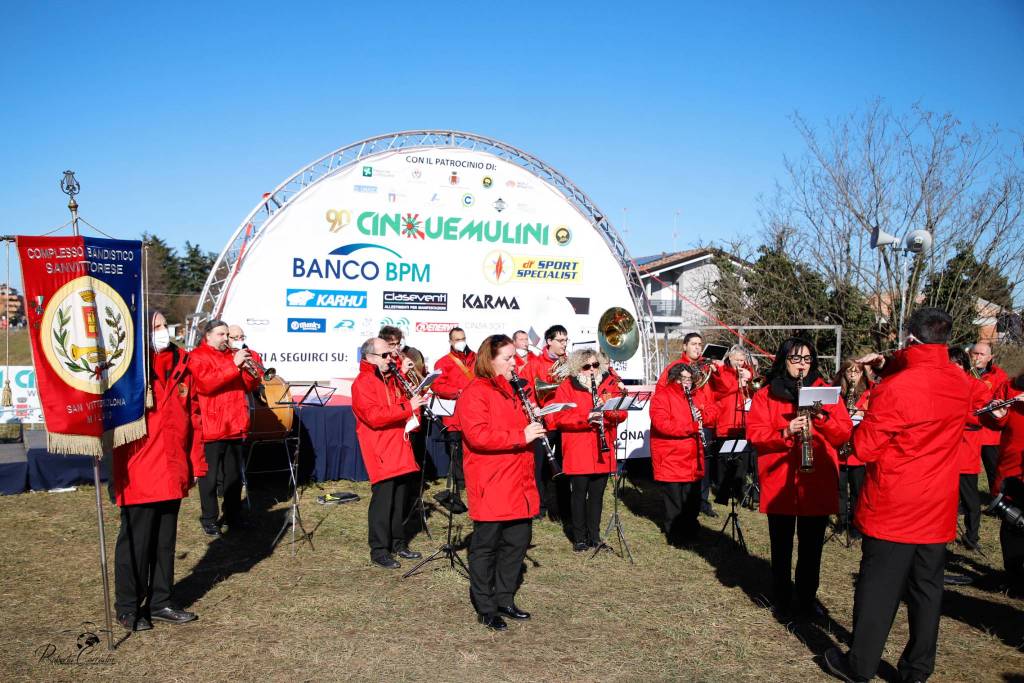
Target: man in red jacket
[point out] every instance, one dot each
(994, 378)
(382, 411)
(521, 340)
(151, 476)
(907, 508)
(456, 370)
(222, 382)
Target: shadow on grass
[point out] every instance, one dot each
(239, 550)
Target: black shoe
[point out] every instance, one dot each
(492, 621)
(514, 612)
(813, 612)
(580, 547)
(855, 534)
(236, 524)
(173, 616)
(211, 529)
(407, 554)
(132, 622)
(387, 562)
(708, 511)
(974, 545)
(838, 665)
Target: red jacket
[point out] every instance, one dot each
(580, 454)
(382, 409)
(538, 368)
(995, 379)
(861, 404)
(705, 393)
(974, 433)
(785, 490)
(456, 374)
(676, 453)
(910, 441)
(521, 362)
(730, 401)
(498, 463)
(161, 465)
(1011, 445)
(222, 388)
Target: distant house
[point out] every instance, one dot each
(690, 273)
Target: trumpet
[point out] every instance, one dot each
(851, 405)
(806, 434)
(256, 369)
(549, 450)
(602, 440)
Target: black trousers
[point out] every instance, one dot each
(554, 493)
(682, 505)
(989, 458)
(1011, 541)
(496, 554)
(888, 572)
(971, 502)
(810, 533)
(453, 444)
(587, 502)
(144, 556)
(851, 481)
(386, 517)
(224, 459)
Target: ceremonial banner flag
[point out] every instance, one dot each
(83, 300)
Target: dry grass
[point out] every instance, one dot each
(328, 615)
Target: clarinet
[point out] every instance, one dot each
(698, 419)
(549, 451)
(409, 389)
(602, 445)
(806, 435)
(851, 404)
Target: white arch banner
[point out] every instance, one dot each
(424, 239)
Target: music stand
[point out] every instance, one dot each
(635, 401)
(316, 395)
(436, 410)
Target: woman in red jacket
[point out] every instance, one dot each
(500, 485)
(222, 383)
(855, 391)
(792, 498)
(583, 461)
(151, 476)
(677, 451)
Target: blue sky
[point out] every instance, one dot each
(176, 117)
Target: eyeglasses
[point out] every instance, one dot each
(561, 340)
(386, 354)
(590, 366)
(242, 338)
(794, 359)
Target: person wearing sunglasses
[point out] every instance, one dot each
(583, 461)
(456, 370)
(382, 410)
(792, 498)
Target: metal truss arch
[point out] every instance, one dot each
(232, 257)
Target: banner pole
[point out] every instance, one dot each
(103, 555)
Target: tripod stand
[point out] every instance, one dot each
(418, 505)
(447, 550)
(615, 520)
(293, 520)
(736, 530)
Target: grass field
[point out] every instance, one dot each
(329, 615)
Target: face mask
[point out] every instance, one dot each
(521, 353)
(161, 339)
(459, 346)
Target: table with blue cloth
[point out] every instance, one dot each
(328, 435)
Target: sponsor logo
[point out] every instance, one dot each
(258, 322)
(417, 173)
(401, 323)
(326, 298)
(580, 305)
(415, 301)
(435, 327)
(451, 229)
(487, 181)
(435, 198)
(367, 171)
(337, 219)
(499, 205)
(490, 302)
(341, 268)
(453, 179)
(562, 235)
(392, 197)
(501, 267)
(365, 189)
(307, 324)
(345, 325)
(468, 200)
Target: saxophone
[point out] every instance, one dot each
(807, 435)
(851, 405)
(602, 440)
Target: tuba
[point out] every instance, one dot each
(617, 334)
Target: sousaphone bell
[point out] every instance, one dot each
(617, 334)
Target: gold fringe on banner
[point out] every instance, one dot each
(74, 444)
(132, 431)
(149, 396)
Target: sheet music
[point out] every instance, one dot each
(554, 408)
(827, 396)
(619, 403)
(442, 407)
(426, 382)
(733, 446)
